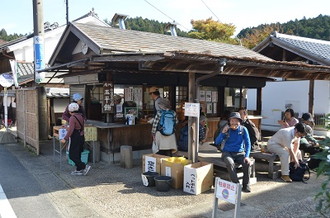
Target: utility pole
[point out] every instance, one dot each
(38, 40)
(67, 11)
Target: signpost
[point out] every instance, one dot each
(193, 110)
(227, 191)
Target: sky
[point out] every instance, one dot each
(17, 15)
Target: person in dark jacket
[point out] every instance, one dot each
(75, 137)
(77, 98)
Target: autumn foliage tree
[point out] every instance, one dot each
(213, 30)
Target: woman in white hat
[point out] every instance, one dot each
(75, 136)
(77, 98)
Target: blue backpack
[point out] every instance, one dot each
(166, 124)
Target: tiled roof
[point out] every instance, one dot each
(316, 47)
(114, 40)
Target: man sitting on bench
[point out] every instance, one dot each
(236, 149)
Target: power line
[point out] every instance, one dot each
(165, 14)
(210, 10)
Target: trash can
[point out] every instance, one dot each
(163, 183)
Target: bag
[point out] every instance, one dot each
(253, 131)
(301, 173)
(167, 122)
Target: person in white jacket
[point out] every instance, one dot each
(285, 143)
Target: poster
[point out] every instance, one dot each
(209, 108)
(201, 95)
(208, 96)
(214, 96)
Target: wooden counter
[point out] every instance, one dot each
(113, 135)
(212, 123)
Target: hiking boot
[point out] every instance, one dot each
(286, 178)
(86, 170)
(246, 188)
(77, 173)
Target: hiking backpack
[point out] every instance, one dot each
(166, 124)
(301, 173)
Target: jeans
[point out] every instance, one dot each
(231, 158)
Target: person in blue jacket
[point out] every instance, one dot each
(236, 149)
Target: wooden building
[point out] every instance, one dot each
(94, 57)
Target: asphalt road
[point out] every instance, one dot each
(23, 191)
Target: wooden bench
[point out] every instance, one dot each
(273, 168)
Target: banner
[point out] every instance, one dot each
(13, 65)
(39, 62)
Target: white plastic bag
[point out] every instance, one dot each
(154, 147)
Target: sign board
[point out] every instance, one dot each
(62, 133)
(108, 94)
(191, 109)
(226, 191)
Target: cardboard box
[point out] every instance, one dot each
(198, 177)
(152, 162)
(173, 167)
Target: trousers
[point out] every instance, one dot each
(76, 147)
(231, 158)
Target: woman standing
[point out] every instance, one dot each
(289, 119)
(166, 144)
(75, 136)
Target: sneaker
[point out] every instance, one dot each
(77, 173)
(246, 188)
(286, 178)
(86, 170)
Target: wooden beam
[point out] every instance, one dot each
(311, 97)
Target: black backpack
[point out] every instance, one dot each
(301, 173)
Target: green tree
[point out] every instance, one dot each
(4, 36)
(213, 30)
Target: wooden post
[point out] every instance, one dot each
(259, 99)
(311, 97)
(192, 145)
(126, 156)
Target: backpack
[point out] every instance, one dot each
(301, 173)
(167, 123)
(253, 132)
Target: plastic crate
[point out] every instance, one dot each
(84, 157)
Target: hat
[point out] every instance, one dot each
(235, 115)
(77, 97)
(153, 89)
(73, 107)
(307, 117)
(164, 104)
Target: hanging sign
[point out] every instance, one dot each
(108, 94)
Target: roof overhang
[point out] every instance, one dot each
(184, 62)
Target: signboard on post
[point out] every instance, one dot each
(227, 191)
(191, 109)
(108, 93)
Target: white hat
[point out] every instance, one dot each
(73, 107)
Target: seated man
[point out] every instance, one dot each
(285, 143)
(252, 129)
(236, 149)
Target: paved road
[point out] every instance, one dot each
(23, 192)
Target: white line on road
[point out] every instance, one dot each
(6, 211)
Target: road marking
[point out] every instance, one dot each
(6, 211)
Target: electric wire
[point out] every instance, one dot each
(165, 14)
(210, 10)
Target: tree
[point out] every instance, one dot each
(213, 30)
(4, 36)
